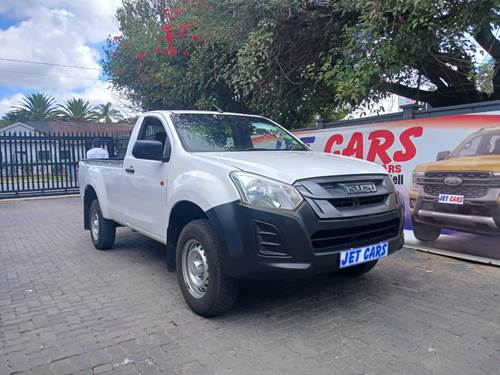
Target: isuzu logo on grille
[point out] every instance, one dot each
(453, 181)
(359, 188)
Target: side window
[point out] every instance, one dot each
(494, 145)
(152, 130)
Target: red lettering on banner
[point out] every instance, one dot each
(381, 141)
(407, 143)
(334, 139)
(393, 168)
(355, 146)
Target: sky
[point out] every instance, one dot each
(65, 32)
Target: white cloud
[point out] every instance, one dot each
(7, 103)
(60, 32)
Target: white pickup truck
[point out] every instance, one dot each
(236, 196)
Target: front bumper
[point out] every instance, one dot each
(476, 215)
(266, 243)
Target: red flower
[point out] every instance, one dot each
(176, 11)
(195, 38)
(120, 71)
(186, 53)
(117, 38)
(141, 55)
(168, 33)
(172, 51)
(166, 13)
(158, 51)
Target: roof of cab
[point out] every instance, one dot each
(169, 112)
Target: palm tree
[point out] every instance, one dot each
(77, 109)
(13, 116)
(35, 107)
(106, 114)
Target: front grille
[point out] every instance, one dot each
(325, 241)
(368, 201)
(333, 196)
(474, 184)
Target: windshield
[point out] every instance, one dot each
(218, 132)
(483, 144)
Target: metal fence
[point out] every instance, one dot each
(47, 164)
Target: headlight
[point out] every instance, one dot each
(263, 192)
(414, 179)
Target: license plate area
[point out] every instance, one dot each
(451, 199)
(363, 254)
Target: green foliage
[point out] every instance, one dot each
(295, 59)
(33, 107)
(36, 107)
(77, 109)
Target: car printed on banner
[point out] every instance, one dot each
(459, 191)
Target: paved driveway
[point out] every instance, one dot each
(67, 308)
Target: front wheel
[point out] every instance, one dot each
(205, 286)
(425, 232)
(102, 231)
(358, 270)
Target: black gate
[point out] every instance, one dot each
(47, 164)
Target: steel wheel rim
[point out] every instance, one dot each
(94, 224)
(195, 268)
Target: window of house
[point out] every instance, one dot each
(43, 155)
(64, 154)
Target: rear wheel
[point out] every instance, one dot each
(205, 286)
(358, 270)
(425, 232)
(102, 231)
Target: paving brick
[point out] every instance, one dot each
(67, 308)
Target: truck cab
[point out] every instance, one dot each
(236, 196)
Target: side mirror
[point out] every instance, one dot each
(149, 150)
(443, 155)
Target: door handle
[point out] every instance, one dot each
(130, 170)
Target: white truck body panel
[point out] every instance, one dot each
(144, 200)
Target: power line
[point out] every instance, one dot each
(47, 75)
(50, 64)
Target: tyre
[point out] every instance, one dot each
(358, 270)
(205, 286)
(102, 231)
(425, 232)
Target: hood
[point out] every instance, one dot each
(483, 163)
(290, 166)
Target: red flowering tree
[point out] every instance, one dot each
(293, 59)
(161, 60)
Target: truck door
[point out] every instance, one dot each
(146, 182)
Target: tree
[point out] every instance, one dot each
(77, 109)
(424, 50)
(294, 59)
(33, 107)
(106, 114)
